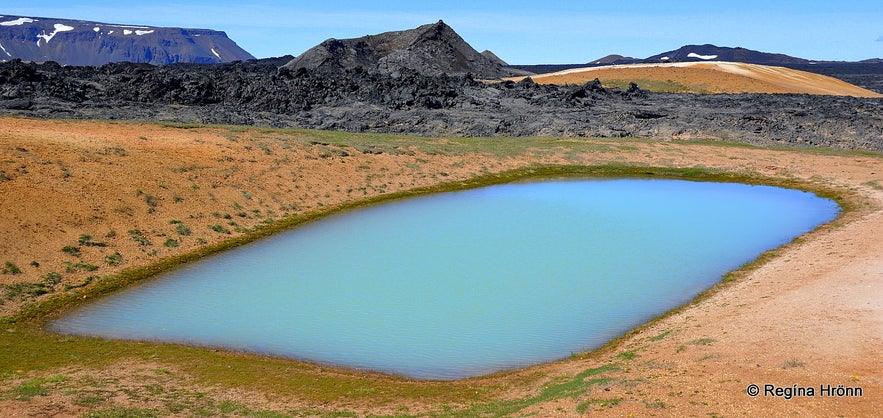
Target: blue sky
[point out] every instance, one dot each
(520, 32)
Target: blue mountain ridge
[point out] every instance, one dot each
(86, 43)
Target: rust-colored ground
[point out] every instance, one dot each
(812, 316)
(709, 77)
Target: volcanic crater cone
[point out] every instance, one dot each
(432, 50)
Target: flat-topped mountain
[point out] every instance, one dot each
(431, 49)
(81, 43)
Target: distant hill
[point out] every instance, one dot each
(867, 73)
(614, 60)
(710, 52)
(707, 77)
(431, 49)
(81, 43)
(687, 53)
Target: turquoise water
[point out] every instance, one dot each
(465, 283)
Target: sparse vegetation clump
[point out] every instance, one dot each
(24, 290)
(219, 229)
(138, 237)
(114, 259)
(10, 268)
(76, 267)
(52, 278)
(702, 341)
(114, 150)
(182, 229)
(793, 363)
(71, 250)
(86, 241)
(151, 201)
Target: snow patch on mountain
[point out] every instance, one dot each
(18, 22)
(702, 57)
(59, 27)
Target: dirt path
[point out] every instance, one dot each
(812, 316)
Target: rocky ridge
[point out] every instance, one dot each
(79, 42)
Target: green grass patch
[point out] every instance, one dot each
(568, 387)
(76, 267)
(182, 230)
(86, 241)
(583, 407)
(114, 259)
(875, 185)
(24, 290)
(34, 387)
(71, 250)
(219, 229)
(52, 278)
(10, 268)
(661, 336)
(138, 237)
(702, 341)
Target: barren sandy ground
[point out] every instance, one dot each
(811, 316)
(713, 77)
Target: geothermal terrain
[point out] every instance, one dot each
(97, 195)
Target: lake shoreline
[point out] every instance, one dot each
(468, 302)
(687, 337)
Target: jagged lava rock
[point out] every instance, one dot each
(85, 43)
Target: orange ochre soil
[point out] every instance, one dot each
(810, 317)
(711, 77)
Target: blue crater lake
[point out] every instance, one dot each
(465, 283)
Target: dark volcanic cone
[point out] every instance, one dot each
(429, 49)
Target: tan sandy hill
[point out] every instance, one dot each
(709, 77)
